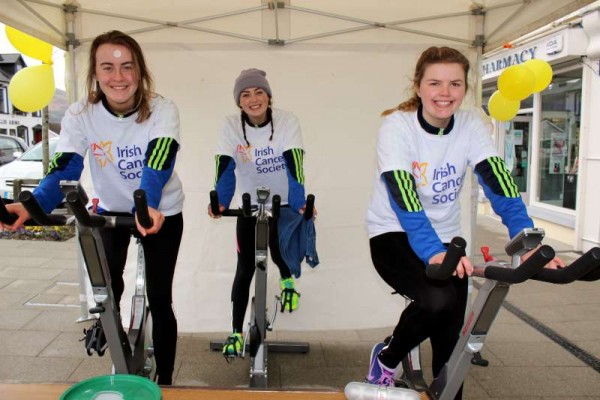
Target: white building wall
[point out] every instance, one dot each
(588, 218)
(11, 122)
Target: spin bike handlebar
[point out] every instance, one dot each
(528, 269)
(246, 210)
(77, 202)
(585, 268)
(37, 213)
(310, 207)
(455, 251)
(591, 276)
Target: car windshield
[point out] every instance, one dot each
(35, 153)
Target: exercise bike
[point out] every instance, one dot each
(131, 352)
(259, 324)
(499, 275)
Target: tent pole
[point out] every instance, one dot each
(71, 43)
(71, 9)
(276, 20)
(479, 17)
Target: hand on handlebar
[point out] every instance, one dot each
(555, 263)
(464, 266)
(221, 209)
(157, 219)
(22, 215)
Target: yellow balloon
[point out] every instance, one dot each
(542, 72)
(29, 45)
(516, 82)
(501, 108)
(32, 88)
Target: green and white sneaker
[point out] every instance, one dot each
(289, 295)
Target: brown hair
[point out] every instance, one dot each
(145, 90)
(433, 55)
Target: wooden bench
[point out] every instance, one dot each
(53, 391)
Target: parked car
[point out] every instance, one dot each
(11, 148)
(28, 166)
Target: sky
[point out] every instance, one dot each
(58, 58)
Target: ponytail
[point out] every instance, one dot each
(411, 104)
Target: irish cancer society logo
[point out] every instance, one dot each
(245, 152)
(103, 153)
(419, 171)
(129, 159)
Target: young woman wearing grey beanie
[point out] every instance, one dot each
(261, 146)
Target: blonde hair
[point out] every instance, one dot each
(433, 55)
(145, 90)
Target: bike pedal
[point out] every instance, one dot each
(401, 384)
(231, 358)
(95, 340)
(479, 360)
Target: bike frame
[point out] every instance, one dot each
(259, 322)
(482, 313)
(130, 352)
(480, 318)
(258, 315)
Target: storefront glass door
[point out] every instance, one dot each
(559, 147)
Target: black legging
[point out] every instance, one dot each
(240, 291)
(437, 308)
(160, 252)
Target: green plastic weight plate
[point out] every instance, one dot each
(113, 387)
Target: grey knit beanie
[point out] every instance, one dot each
(250, 78)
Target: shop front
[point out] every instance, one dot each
(542, 145)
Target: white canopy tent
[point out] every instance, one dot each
(336, 65)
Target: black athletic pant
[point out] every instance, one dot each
(240, 291)
(437, 308)
(160, 252)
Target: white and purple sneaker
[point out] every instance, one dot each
(379, 374)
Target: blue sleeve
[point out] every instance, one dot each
(500, 188)
(294, 160)
(225, 179)
(63, 166)
(159, 164)
(405, 202)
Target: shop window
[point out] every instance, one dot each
(559, 147)
(22, 132)
(527, 103)
(3, 100)
(16, 111)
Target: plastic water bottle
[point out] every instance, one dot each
(367, 391)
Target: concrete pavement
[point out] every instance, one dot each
(547, 346)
